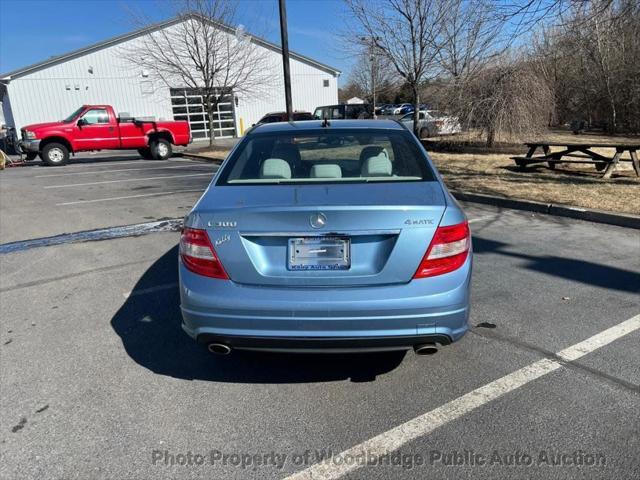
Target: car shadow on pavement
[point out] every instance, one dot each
(582, 271)
(149, 325)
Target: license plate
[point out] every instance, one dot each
(319, 253)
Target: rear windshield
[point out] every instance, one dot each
(327, 157)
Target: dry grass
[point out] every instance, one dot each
(466, 165)
(496, 174)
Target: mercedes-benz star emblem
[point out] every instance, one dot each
(318, 220)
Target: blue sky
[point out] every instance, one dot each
(34, 30)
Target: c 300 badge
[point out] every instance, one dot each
(224, 224)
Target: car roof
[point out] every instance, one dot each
(284, 113)
(333, 125)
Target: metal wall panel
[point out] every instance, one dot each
(105, 77)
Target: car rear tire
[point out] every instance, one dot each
(145, 153)
(160, 149)
(424, 132)
(55, 154)
(31, 156)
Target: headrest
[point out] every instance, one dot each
(275, 168)
(324, 170)
(372, 151)
(378, 166)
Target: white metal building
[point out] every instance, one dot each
(99, 74)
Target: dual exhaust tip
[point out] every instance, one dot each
(422, 349)
(425, 349)
(219, 348)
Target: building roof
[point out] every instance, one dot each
(143, 31)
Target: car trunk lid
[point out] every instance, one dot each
(386, 228)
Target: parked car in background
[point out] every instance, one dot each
(97, 127)
(406, 109)
(432, 123)
(282, 117)
(303, 243)
(380, 108)
(388, 109)
(398, 109)
(344, 111)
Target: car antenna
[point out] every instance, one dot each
(325, 122)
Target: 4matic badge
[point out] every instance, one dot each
(419, 221)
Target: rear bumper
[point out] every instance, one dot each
(293, 318)
(322, 344)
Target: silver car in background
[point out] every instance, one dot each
(432, 123)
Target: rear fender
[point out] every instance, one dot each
(160, 133)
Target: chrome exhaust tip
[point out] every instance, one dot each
(219, 348)
(426, 349)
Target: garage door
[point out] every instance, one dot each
(188, 104)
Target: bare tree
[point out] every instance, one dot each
(508, 97)
(205, 53)
(372, 74)
(405, 34)
(591, 63)
(471, 34)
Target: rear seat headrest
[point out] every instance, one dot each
(326, 170)
(275, 168)
(372, 151)
(378, 166)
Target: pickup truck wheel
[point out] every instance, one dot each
(145, 153)
(160, 149)
(55, 154)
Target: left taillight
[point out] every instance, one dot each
(198, 254)
(447, 252)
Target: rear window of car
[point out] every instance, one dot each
(326, 157)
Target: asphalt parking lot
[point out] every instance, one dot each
(97, 379)
(96, 191)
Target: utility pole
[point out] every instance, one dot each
(373, 81)
(371, 41)
(285, 58)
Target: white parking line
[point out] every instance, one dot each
(108, 162)
(209, 174)
(109, 199)
(92, 172)
(393, 439)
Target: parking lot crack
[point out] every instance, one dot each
(70, 275)
(164, 225)
(598, 374)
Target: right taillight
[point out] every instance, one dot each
(448, 251)
(198, 254)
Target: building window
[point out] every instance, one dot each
(325, 83)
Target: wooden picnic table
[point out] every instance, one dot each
(579, 153)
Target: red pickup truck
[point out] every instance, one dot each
(96, 127)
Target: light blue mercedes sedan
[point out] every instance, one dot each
(327, 236)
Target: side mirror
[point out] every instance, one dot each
(81, 122)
